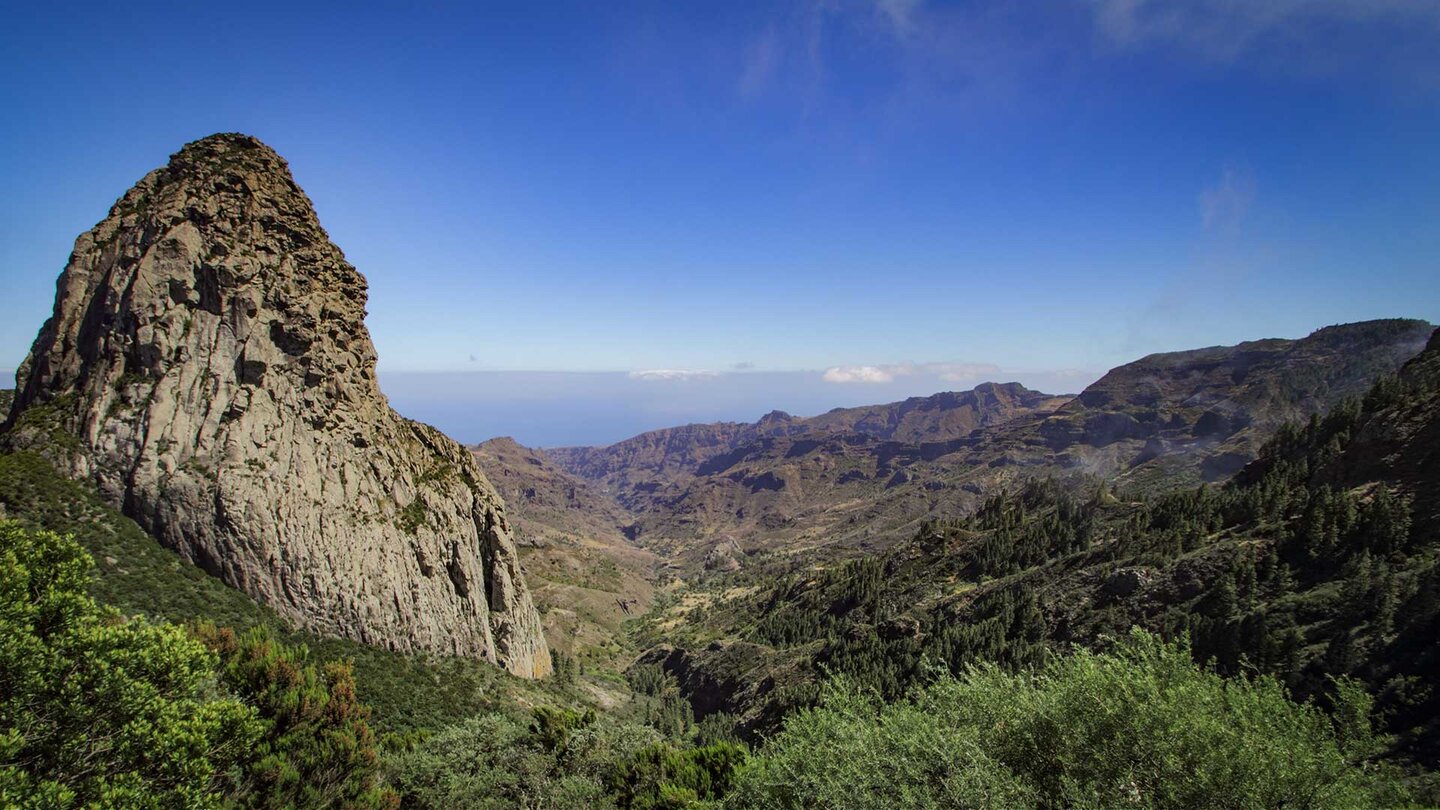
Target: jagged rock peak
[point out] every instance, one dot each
(207, 366)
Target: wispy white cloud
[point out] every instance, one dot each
(1071, 374)
(1225, 30)
(671, 374)
(1224, 205)
(900, 14)
(947, 372)
(859, 374)
(926, 57)
(958, 372)
(759, 63)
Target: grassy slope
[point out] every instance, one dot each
(137, 575)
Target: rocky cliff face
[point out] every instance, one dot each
(207, 366)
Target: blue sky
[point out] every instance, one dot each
(889, 192)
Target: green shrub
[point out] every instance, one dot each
(317, 749)
(664, 775)
(563, 759)
(1141, 726)
(97, 710)
(490, 762)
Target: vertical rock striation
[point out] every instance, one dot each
(207, 366)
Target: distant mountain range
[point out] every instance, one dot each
(707, 495)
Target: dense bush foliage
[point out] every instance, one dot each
(98, 710)
(562, 759)
(316, 748)
(494, 762)
(1141, 726)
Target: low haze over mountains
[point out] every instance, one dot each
(539, 408)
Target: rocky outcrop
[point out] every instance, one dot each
(207, 366)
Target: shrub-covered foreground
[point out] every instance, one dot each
(95, 710)
(98, 710)
(1139, 726)
(563, 759)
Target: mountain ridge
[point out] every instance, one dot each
(865, 476)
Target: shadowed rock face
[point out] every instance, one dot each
(207, 366)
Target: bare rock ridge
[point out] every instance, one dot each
(207, 366)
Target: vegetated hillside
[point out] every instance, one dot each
(1319, 560)
(712, 495)
(585, 575)
(1401, 443)
(1184, 417)
(138, 576)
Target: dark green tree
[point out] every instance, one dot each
(317, 749)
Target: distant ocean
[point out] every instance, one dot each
(560, 408)
(555, 409)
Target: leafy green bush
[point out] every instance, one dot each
(98, 710)
(666, 776)
(553, 726)
(1141, 726)
(489, 762)
(317, 749)
(563, 759)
